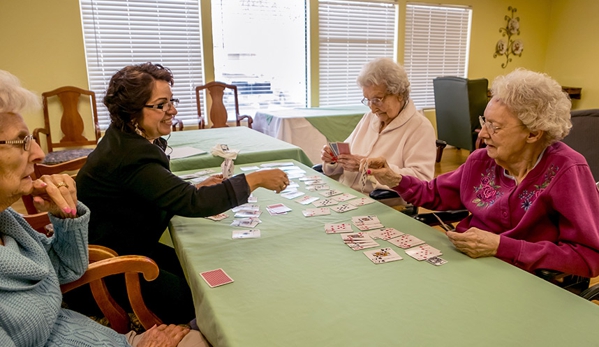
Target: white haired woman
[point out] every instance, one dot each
(393, 129)
(532, 199)
(32, 266)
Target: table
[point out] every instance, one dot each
(310, 128)
(254, 146)
(297, 286)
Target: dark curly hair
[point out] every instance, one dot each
(130, 89)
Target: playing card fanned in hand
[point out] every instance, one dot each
(406, 241)
(216, 278)
(383, 255)
(423, 252)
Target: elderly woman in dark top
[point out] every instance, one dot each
(533, 200)
(127, 184)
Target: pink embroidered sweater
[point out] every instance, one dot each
(549, 221)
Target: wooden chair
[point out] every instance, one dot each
(43, 169)
(218, 111)
(71, 124)
(106, 262)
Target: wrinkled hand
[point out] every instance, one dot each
(475, 243)
(273, 179)
(210, 181)
(327, 156)
(350, 162)
(56, 194)
(163, 336)
(379, 168)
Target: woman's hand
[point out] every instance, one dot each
(210, 181)
(273, 179)
(475, 242)
(379, 168)
(163, 336)
(56, 194)
(350, 162)
(327, 156)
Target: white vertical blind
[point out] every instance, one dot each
(437, 44)
(124, 32)
(352, 33)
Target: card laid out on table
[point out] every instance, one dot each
(356, 237)
(305, 200)
(321, 211)
(423, 252)
(383, 255)
(218, 217)
(385, 234)
(318, 187)
(246, 207)
(310, 178)
(406, 241)
(277, 164)
(332, 228)
(356, 246)
(325, 202)
(246, 234)
(343, 197)
(292, 195)
(343, 208)
(313, 182)
(216, 278)
(277, 209)
(437, 261)
(246, 222)
(252, 198)
(361, 201)
(367, 222)
(248, 214)
(330, 192)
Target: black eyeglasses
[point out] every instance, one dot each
(164, 106)
(26, 142)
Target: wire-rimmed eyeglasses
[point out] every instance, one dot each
(26, 142)
(165, 106)
(492, 129)
(374, 101)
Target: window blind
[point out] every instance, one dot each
(436, 44)
(124, 32)
(352, 33)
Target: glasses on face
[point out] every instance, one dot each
(165, 106)
(26, 142)
(374, 101)
(492, 129)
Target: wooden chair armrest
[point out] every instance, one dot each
(250, 120)
(202, 123)
(177, 124)
(36, 134)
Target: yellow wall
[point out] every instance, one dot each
(574, 47)
(42, 42)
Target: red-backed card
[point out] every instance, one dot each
(216, 278)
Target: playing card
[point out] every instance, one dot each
(356, 237)
(227, 168)
(292, 168)
(382, 255)
(311, 212)
(330, 192)
(365, 219)
(311, 178)
(364, 176)
(292, 195)
(218, 217)
(318, 187)
(277, 209)
(343, 148)
(216, 278)
(252, 198)
(423, 252)
(325, 202)
(437, 261)
(356, 246)
(313, 182)
(361, 201)
(343, 197)
(305, 200)
(246, 207)
(364, 227)
(334, 149)
(331, 228)
(247, 214)
(246, 234)
(385, 234)
(246, 222)
(406, 241)
(343, 208)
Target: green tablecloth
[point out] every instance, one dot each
(297, 286)
(254, 147)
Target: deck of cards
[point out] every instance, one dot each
(216, 278)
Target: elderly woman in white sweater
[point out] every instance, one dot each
(32, 266)
(393, 129)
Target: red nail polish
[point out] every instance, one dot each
(368, 171)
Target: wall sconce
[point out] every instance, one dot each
(511, 46)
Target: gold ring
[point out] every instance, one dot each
(62, 184)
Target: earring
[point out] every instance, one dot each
(137, 131)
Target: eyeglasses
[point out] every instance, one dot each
(374, 101)
(165, 106)
(26, 142)
(492, 129)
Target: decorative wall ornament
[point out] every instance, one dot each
(511, 46)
